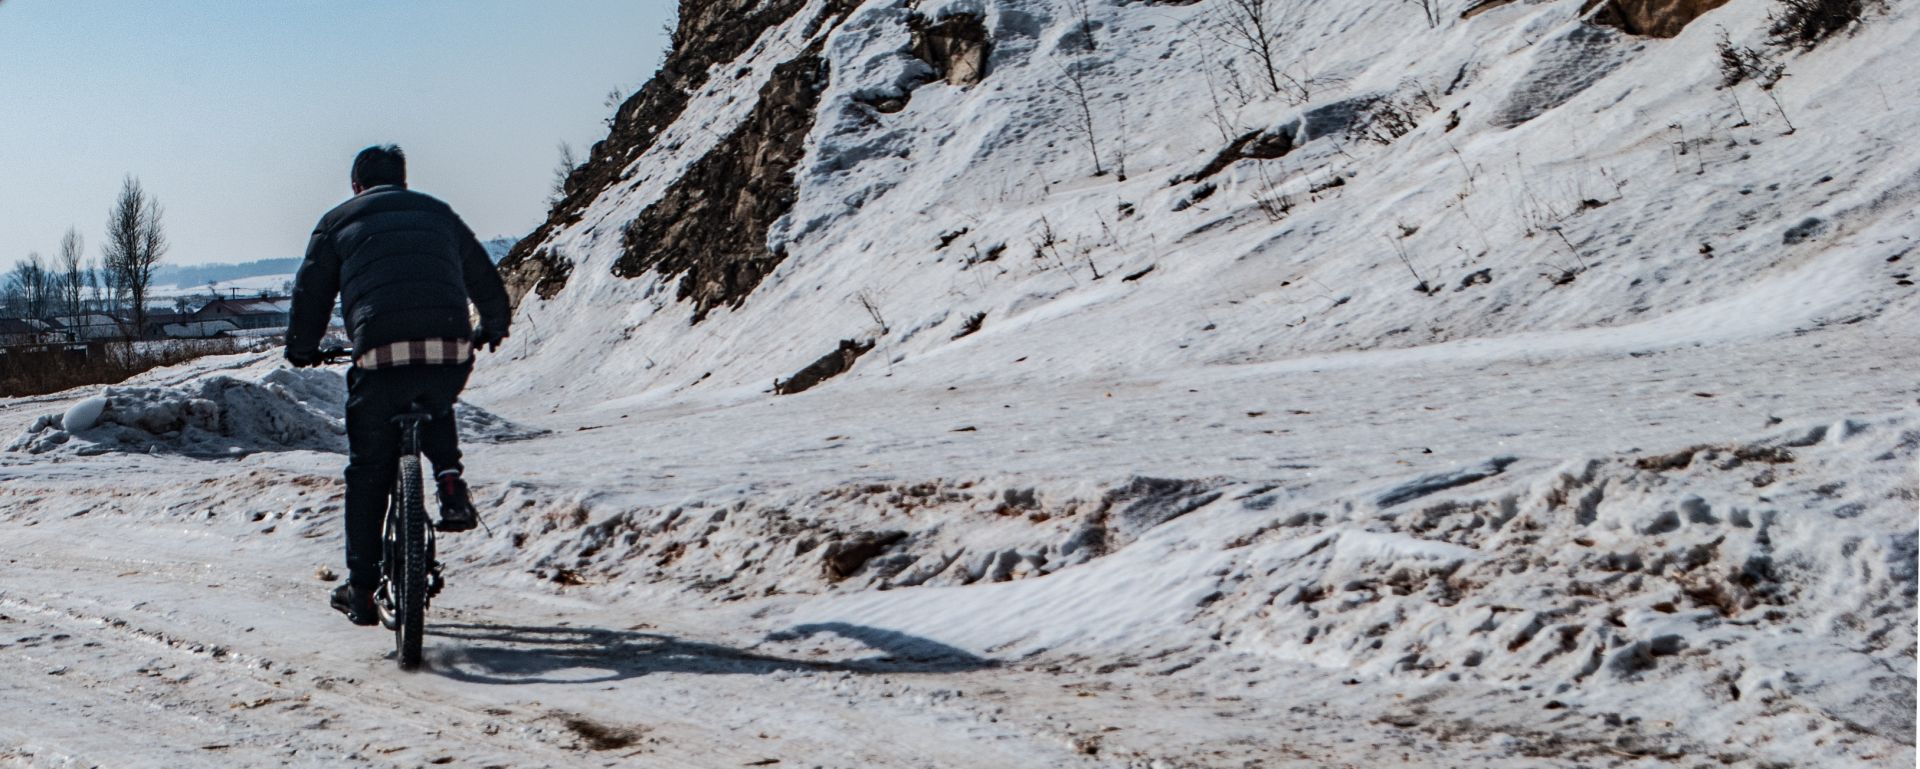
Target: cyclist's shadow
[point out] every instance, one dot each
(519, 654)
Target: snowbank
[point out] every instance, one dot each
(224, 416)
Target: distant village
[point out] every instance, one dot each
(205, 317)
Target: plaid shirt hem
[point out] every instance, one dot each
(416, 352)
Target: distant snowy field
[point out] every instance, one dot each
(1632, 483)
(245, 287)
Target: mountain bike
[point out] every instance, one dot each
(409, 570)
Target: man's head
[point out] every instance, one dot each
(375, 166)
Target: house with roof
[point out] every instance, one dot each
(188, 328)
(87, 328)
(17, 331)
(258, 313)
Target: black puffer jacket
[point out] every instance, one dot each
(404, 267)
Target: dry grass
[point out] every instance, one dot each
(24, 373)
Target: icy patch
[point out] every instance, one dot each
(224, 416)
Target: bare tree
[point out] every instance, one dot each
(1076, 88)
(30, 288)
(562, 170)
(98, 283)
(1257, 28)
(72, 273)
(136, 242)
(1084, 14)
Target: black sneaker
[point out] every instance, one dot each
(356, 604)
(456, 508)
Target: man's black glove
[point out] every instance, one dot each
(488, 338)
(304, 358)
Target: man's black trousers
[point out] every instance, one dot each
(374, 398)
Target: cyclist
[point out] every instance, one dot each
(404, 268)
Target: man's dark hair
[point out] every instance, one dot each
(384, 164)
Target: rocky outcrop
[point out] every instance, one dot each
(709, 32)
(956, 47)
(1649, 18)
(542, 272)
(1338, 119)
(827, 367)
(711, 226)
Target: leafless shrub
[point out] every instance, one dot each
(872, 305)
(1074, 85)
(1046, 242)
(614, 100)
(1084, 14)
(48, 371)
(1258, 28)
(1740, 64)
(563, 170)
(1420, 283)
(971, 325)
(1273, 203)
(1428, 8)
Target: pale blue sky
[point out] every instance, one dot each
(242, 116)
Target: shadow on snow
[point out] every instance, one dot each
(518, 654)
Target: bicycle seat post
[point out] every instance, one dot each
(409, 423)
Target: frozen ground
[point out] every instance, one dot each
(1207, 487)
(164, 611)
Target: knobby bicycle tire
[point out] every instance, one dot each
(410, 576)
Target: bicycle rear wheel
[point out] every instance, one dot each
(410, 573)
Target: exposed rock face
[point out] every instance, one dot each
(827, 367)
(1649, 18)
(710, 32)
(956, 47)
(543, 272)
(1338, 118)
(711, 227)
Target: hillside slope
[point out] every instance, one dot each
(1537, 173)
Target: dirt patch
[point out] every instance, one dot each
(842, 559)
(598, 736)
(1649, 18)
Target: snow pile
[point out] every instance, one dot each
(1636, 566)
(866, 536)
(224, 416)
(1659, 584)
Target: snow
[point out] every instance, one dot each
(257, 285)
(275, 409)
(1645, 492)
(83, 415)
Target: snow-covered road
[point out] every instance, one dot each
(165, 646)
(165, 611)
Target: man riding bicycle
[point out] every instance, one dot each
(404, 267)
